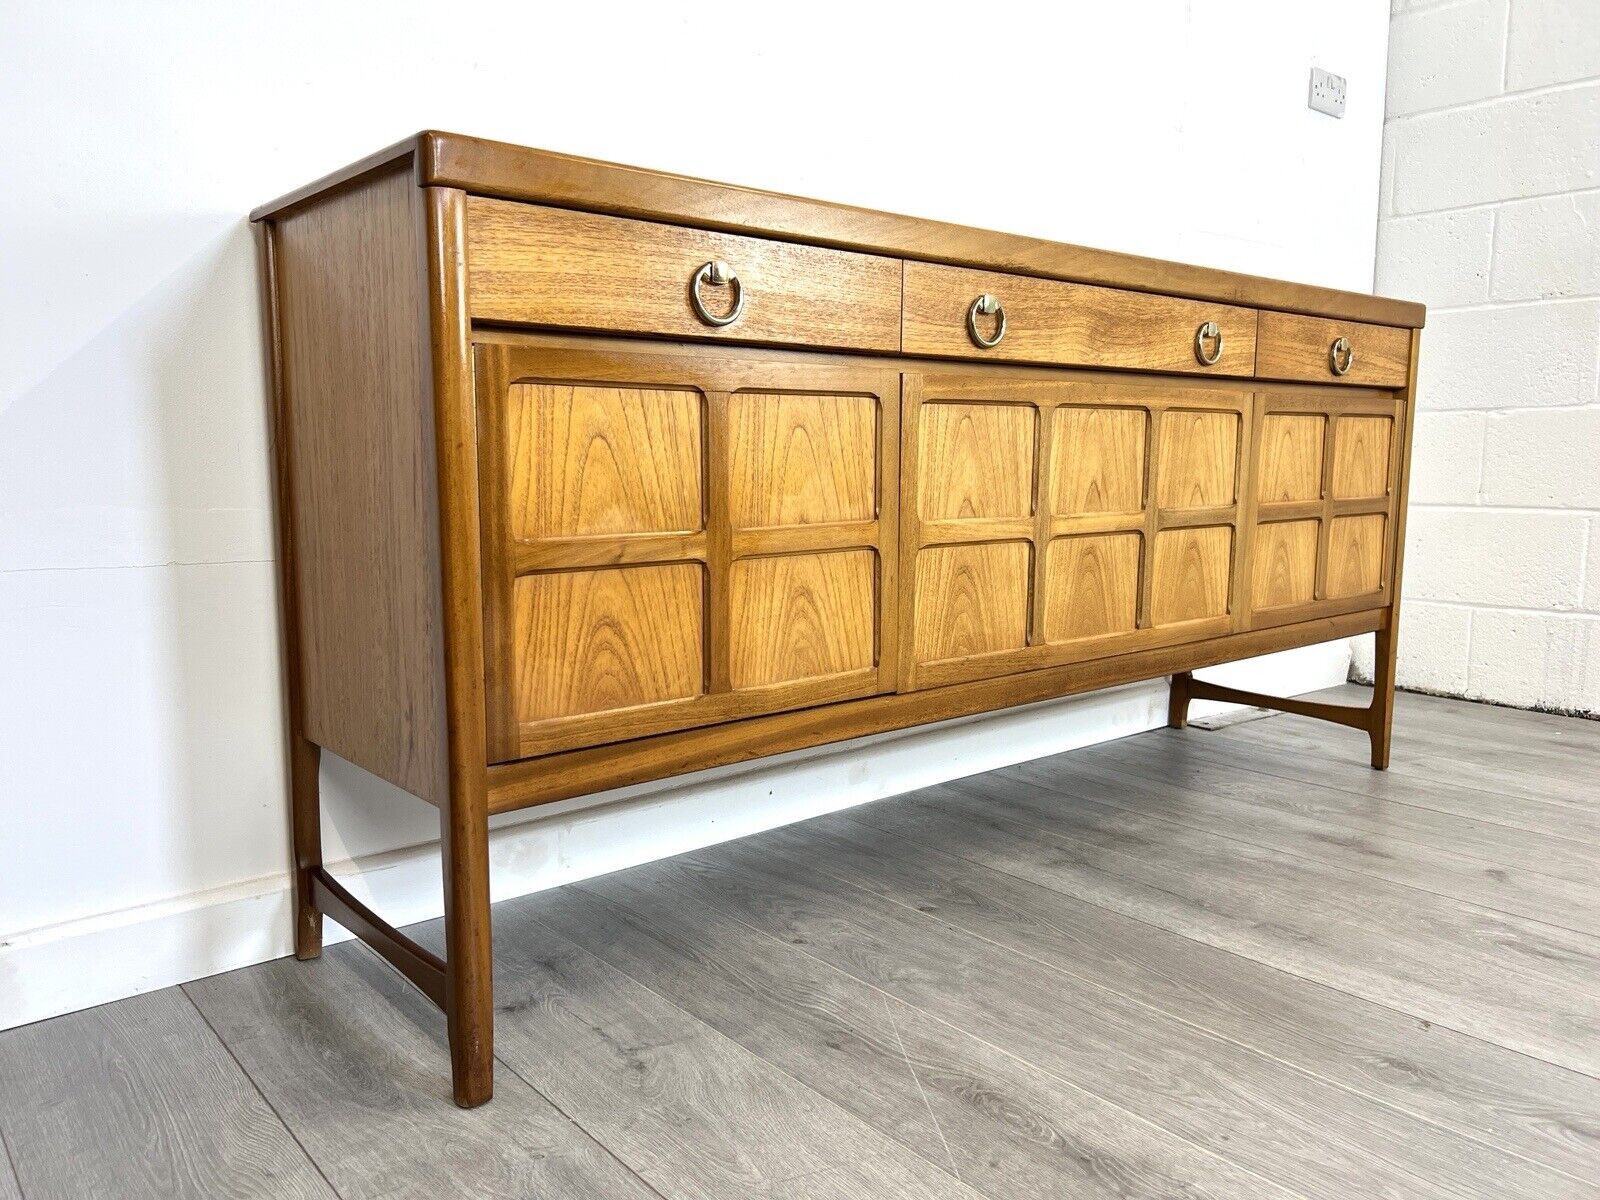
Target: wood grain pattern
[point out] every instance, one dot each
(976, 460)
(343, 1052)
(587, 460)
(138, 1099)
(1290, 456)
(984, 877)
(356, 378)
(599, 641)
(1068, 323)
(1296, 347)
(1092, 586)
(1198, 464)
(795, 460)
(971, 600)
(578, 772)
(802, 616)
(553, 267)
(691, 1111)
(1097, 460)
(1361, 451)
(1260, 1113)
(567, 181)
(1516, 983)
(1355, 555)
(1284, 569)
(1191, 574)
(801, 459)
(1004, 1126)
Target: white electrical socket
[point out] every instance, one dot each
(1327, 92)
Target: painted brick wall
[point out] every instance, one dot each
(1490, 213)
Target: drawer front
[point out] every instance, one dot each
(1326, 493)
(1047, 321)
(672, 541)
(552, 267)
(1310, 349)
(1047, 522)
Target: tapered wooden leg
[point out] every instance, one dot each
(469, 966)
(305, 804)
(1380, 717)
(1178, 701)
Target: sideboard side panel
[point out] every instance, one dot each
(359, 439)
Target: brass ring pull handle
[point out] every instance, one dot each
(718, 273)
(986, 306)
(1341, 356)
(1204, 334)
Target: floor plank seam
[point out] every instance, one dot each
(1258, 962)
(256, 1087)
(843, 1112)
(1331, 782)
(581, 1128)
(11, 1164)
(894, 1028)
(1406, 769)
(1249, 1049)
(1331, 866)
(1261, 771)
(1062, 1080)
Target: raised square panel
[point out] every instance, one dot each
(1355, 556)
(1199, 459)
(598, 641)
(802, 616)
(976, 460)
(801, 460)
(1097, 461)
(1091, 586)
(1361, 457)
(589, 461)
(970, 600)
(1285, 569)
(1291, 457)
(1189, 580)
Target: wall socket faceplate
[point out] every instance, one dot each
(1327, 92)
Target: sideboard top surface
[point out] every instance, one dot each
(499, 169)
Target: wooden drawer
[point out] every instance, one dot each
(571, 270)
(1047, 321)
(1291, 347)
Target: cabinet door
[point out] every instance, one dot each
(1048, 521)
(674, 540)
(1327, 465)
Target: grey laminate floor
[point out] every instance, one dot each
(1193, 964)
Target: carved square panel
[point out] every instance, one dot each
(1284, 570)
(1291, 457)
(1355, 555)
(1091, 586)
(1198, 462)
(1097, 461)
(975, 460)
(801, 459)
(602, 460)
(1190, 579)
(1361, 457)
(607, 640)
(802, 616)
(970, 600)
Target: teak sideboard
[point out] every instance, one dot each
(589, 475)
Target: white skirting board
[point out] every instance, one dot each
(78, 964)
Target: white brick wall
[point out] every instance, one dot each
(1490, 213)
